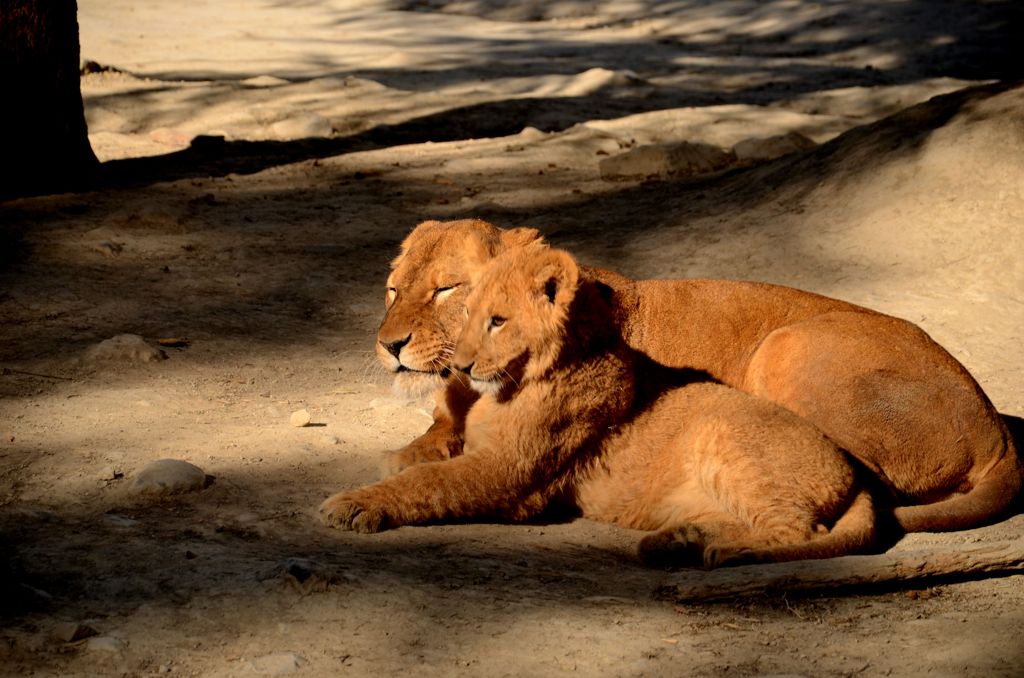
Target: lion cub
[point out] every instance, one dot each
(569, 413)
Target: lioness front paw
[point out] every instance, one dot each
(346, 511)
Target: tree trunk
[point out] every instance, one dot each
(46, 148)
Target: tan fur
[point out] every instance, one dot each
(877, 385)
(431, 278)
(721, 476)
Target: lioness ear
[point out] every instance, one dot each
(556, 276)
(415, 235)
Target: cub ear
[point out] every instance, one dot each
(519, 237)
(556, 276)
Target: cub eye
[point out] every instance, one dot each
(441, 293)
(494, 322)
(392, 293)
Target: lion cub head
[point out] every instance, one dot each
(426, 295)
(516, 317)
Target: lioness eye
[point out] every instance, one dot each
(441, 293)
(392, 293)
(495, 322)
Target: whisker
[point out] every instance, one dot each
(506, 374)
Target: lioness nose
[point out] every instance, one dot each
(395, 347)
(465, 369)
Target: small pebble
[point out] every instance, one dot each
(300, 418)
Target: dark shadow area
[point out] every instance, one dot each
(164, 555)
(314, 281)
(1016, 427)
(78, 556)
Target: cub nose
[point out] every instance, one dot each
(465, 369)
(395, 347)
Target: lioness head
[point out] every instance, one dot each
(516, 314)
(426, 294)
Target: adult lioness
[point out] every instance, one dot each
(722, 476)
(877, 385)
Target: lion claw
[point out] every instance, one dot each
(345, 513)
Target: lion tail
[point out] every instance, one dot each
(854, 532)
(990, 500)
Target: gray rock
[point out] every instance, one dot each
(170, 476)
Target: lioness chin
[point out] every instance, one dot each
(877, 385)
(720, 477)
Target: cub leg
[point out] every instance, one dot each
(468, 486)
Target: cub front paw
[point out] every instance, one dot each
(346, 511)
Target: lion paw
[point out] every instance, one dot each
(728, 556)
(346, 511)
(681, 546)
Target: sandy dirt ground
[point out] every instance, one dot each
(264, 159)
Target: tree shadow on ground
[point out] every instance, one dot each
(312, 255)
(215, 157)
